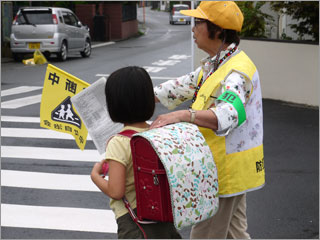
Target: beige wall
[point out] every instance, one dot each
(288, 71)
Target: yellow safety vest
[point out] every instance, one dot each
(238, 172)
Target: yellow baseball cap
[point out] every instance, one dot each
(225, 14)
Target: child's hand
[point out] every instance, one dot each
(97, 169)
(115, 185)
(100, 168)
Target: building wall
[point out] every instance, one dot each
(85, 13)
(114, 13)
(129, 28)
(115, 29)
(6, 21)
(288, 71)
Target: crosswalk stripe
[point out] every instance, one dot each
(58, 218)
(18, 90)
(35, 133)
(21, 102)
(152, 69)
(50, 181)
(20, 119)
(59, 154)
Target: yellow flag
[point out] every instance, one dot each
(56, 110)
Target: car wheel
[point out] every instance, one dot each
(17, 57)
(87, 49)
(63, 54)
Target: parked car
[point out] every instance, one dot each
(175, 15)
(49, 29)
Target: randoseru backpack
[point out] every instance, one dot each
(151, 183)
(175, 176)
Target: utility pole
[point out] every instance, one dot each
(192, 42)
(144, 14)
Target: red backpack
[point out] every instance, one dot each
(151, 183)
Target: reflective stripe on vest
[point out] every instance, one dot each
(238, 172)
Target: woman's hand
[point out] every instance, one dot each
(204, 118)
(169, 118)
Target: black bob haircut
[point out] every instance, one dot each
(129, 95)
(230, 36)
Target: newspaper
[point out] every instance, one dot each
(92, 108)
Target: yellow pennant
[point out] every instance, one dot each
(56, 110)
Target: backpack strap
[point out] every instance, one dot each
(127, 133)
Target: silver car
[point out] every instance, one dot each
(49, 29)
(175, 15)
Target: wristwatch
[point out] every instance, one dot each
(193, 115)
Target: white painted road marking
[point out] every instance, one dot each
(20, 119)
(36, 133)
(60, 154)
(153, 69)
(102, 75)
(21, 102)
(58, 218)
(179, 57)
(50, 181)
(166, 62)
(18, 90)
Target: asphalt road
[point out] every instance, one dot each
(287, 207)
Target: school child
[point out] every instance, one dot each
(130, 100)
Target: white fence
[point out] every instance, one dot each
(288, 71)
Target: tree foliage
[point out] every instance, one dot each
(254, 19)
(305, 12)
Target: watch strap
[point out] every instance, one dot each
(193, 115)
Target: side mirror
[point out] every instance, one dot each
(86, 27)
(79, 24)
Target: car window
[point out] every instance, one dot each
(74, 20)
(181, 8)
(66, 18)
(69, 19)
(35, 17)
